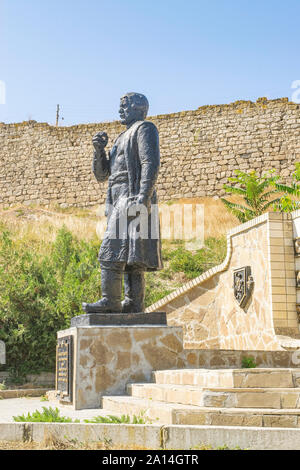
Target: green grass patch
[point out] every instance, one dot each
(124, 419)
(48, 415)
(2, 386)
(248, 362)
(192, 264)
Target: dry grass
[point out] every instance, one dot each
(54, 444)
(38, 225)
(217, 219)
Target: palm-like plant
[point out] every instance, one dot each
(253, 189)
(288, 202)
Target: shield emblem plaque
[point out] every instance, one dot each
(242, 285)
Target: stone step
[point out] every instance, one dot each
(241, 378)
(176, 413)
(218, 397)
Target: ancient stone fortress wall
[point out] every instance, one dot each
(200, 149)
(206, 307)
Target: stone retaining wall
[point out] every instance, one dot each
(207, 309)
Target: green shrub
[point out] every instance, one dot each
(124, 419)
(177, 259)
(255, 192)
(248, 362)
(39, 294)
(48, 415)
(290, 201)
(194, 264)
(2, 386)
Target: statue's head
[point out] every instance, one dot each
(133, 107)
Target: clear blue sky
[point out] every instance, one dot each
(84, 54)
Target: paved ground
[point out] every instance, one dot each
(17, 406)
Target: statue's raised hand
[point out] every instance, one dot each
(100, 141)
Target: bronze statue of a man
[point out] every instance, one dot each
(131, 244)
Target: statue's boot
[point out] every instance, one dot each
(111, 285)
(134, 287)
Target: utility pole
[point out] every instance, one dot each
(57, 115)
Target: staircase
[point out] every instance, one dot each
(224, 397)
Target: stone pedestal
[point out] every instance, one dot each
(120, 319)
(95, 360)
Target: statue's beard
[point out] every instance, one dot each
(123, 119)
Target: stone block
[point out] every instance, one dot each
(12, 431)
(235, 419)
(281, 421)
(119, 319)
(107, 358)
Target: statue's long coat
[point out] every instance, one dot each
(141, 152)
